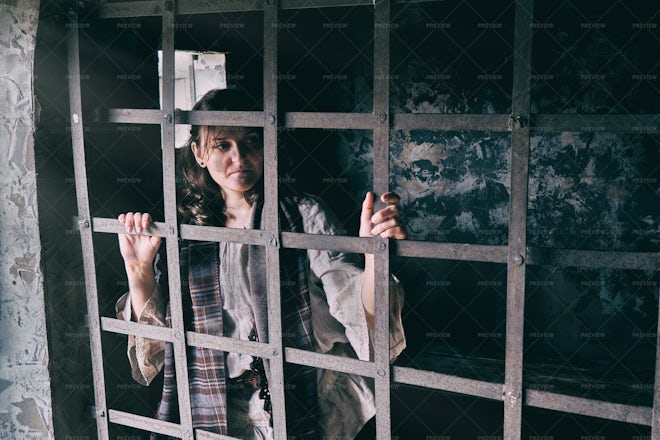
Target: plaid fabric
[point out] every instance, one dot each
(202, 300)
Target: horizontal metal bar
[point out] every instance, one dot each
(194, 117)
(221, 234)
(113, 226)
(223, 343)
(337, 243)
(223, 118)
(128, 116)
(639, 415)
(137, 329)
(401, 121)
(347, 121)
(445, 382)
(627, 123)
(205, 435)
(446, 122)
(303, 4)
(596, 259)
(451, 251)
(405, 248)
(154, 7)
(128, 9)
(329, 362)
(145, 423)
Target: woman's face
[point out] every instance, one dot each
(232, 155)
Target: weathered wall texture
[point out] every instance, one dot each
(25, 401)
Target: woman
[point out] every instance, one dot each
(327, 299)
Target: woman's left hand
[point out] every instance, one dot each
(384, 223)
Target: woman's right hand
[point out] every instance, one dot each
(138, 251)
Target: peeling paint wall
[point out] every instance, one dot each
(25, 400)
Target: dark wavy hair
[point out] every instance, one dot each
(199, 199)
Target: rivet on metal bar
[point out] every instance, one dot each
(80, 223)
(97, 413)
(519, 260)
(382, 246)
(381, 118)
(515, 121)
(270, 119)
(171, 230)
(178, 334)
(168, 118)
(381, 372)
(275, 352)
(511, 396)
(75, 118)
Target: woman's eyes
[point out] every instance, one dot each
(252, 140)
(223, 145)
(249, 141)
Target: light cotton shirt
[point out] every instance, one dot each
(346, 402)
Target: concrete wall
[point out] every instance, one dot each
(25, 400)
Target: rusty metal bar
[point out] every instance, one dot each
(137, 329)
(302, 4)
(381, 176)
(655, 417)
(446, 382)
(112, 225)
(271, 225)
(451, 251)
(223, 343)
(641, 124)
(450, 122)
(640, 415)
(205, 435)
(171, 241)
(628, 123)
(218, 234)
(515, 309)
(347, 121)
(409, 248)
(195, 117)
(155, 7)
(382, 340)
(330, 362)
(145, 423)
(337, 243)
(224, 118)
(595, 259)
(128, 116)
(86, 241)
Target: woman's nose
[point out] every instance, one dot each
(238, 151)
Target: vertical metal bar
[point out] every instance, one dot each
(655, 420)
(271, 226)
(171, 239)
(381, 175)
(84, 222)
(515, 309)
